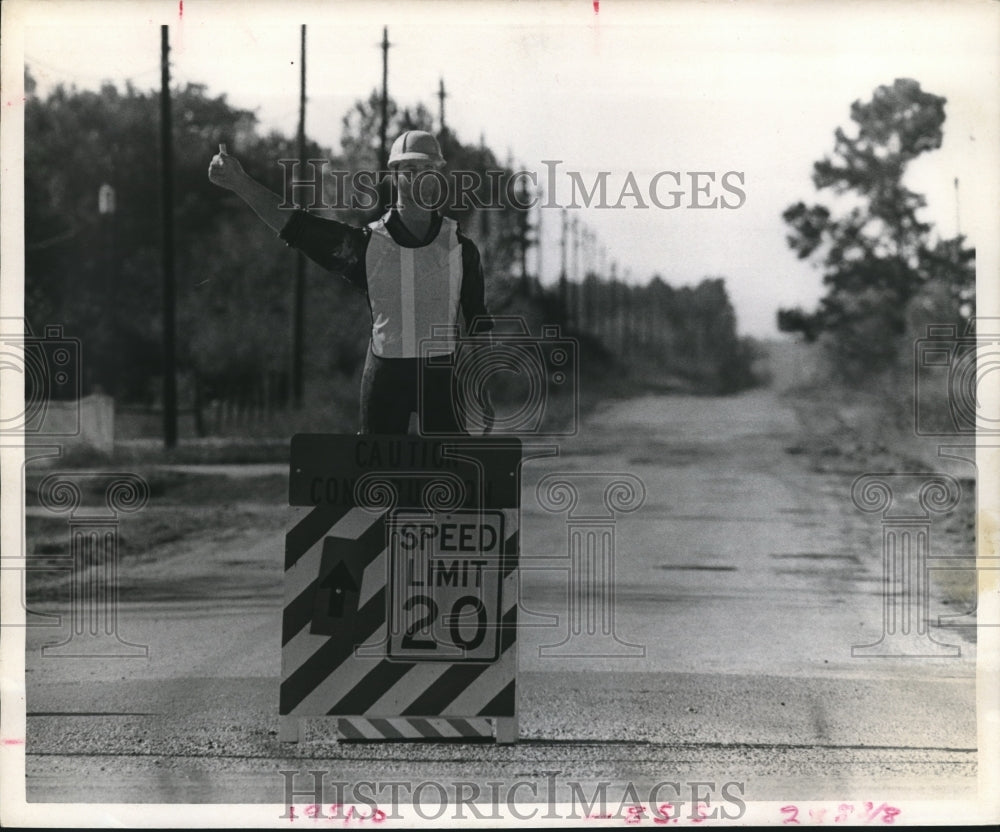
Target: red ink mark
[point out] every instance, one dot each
(701, 813)
(181, 8)
(13, 741)
(597, 6)
(845, 811)
(663, 813)
(888, 812)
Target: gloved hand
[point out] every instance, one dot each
(225, 170)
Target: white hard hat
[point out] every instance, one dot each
(416, 145)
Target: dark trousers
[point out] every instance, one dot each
(391, 390)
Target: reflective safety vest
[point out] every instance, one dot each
(414, 292)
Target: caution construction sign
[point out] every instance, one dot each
(400, 609)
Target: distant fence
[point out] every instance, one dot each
(216, 418)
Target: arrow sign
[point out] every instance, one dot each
(338, 582)
(338, 588)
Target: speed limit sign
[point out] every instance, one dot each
(445, 586)
(401, 586)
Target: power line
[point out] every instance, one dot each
(74, 75)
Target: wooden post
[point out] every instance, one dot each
(169, 300)
(383, 147)
(298, 320)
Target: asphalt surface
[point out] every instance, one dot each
(741, 584)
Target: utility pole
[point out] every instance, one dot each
(486, 247)
(576, 249)
(592, 278)
(442, 95)
(563, 281)
(629, 330)
(663, 327)
(958, 219)
(581, 277)
(107, 373)
(524, 223)
(621, 307)
(383, 147)
(298, 322)
(167, 205)
(563, 245)
(539, 239)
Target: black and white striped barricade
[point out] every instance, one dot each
(400, 609)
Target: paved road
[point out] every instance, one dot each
(745, 578)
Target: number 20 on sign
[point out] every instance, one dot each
(445, 579)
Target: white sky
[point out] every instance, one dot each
(646, 87)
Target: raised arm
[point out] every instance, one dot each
(226, 172)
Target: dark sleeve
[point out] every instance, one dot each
(473, 296)
(335, 246)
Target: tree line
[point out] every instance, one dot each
(92, 262)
